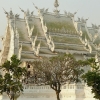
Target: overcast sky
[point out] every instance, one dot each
(86, 9)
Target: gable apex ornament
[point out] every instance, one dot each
(56, 5)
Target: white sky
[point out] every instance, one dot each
(86, 9)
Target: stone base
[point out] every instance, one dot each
(69, 92)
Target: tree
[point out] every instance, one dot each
(92, 78)
(10, 80)
(56, 71)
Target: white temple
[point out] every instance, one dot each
(47, 35)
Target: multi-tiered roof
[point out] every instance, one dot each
(48, 34)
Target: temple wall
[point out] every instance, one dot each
(69, 92)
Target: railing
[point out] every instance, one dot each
(73, 86)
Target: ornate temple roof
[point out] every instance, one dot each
(47, 34)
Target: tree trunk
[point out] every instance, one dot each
(57, 94)
(56, 86)
(14, 97)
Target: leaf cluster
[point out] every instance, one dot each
(10, 80)
(63, 68)
(58, 70)
(92, 78)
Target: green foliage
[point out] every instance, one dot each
(93, 78)
(58, 70)
(10, 81)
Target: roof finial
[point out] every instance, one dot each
(5, 11)
(56, 5)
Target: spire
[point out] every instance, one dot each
(35, 6)
(5, 11)
(56, 4)
(11, 13)
(28, 12)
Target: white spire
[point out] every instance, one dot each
(86, 42)
(51, 46)
(33, 43)
(90, 48)
(36, 50)
(28, 12)
(31, 31)
(56, 4)
(36, 6)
